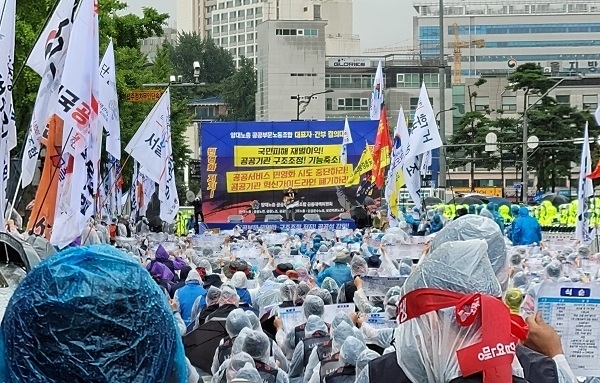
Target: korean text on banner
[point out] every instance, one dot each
(108, 103)
(283, 156)
(48, 60)
(378, 286)
(424, 135)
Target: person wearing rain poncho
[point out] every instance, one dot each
(325, 358)
(442, 345)
(332, 287)
(228, 302)
(316, 334)
(339, 271)
(83, 336)
(526, 230)
(240, 281)
(313, 305)
(349, 353)
(358, 268)
(276, 352)
(237, 356)
(235, 323)
(288, 293)
(213, 296)
(188, 295)
(256, 345)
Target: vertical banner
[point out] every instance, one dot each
(247, 166)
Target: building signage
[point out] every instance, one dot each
(349, 62)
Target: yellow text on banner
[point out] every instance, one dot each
(280, 179)
(286, 156)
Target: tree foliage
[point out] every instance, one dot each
(239, 92)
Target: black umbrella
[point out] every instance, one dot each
(500, 201)
(467, 201)
(432, 201)
(202, 343)
(556, 199)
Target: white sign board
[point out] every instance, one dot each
(378, 286)
(380, 321)
(291, 317)
(349, 62)
(573, 310)
(332, 310)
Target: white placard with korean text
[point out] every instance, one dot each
(291, 317)
(332, 310)
(573, 310)
(378, 286)
(380, 321)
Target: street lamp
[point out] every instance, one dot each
(306, 102)
(526, 134)
(444, 111)
(442, 84)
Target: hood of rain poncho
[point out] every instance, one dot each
(478, 227)
(364, 358)
(194, 277)
(341, 317)
(323, 294)
(257, 345)
(340, 334)
(161, 253)
(313, 305)
(213, 295)
(249, 374)
(303, 290)
(434, 338)
(160, 271)
(330, 285)
(523, 212)
(228, 296)
(238, 343)
(239, 280)
(66, 286)
(237, 320)
(288, 291)
(314, 324)
(237, 362)
(267, 295)
(358, 266)
(254, 321)
(204, 263)
(350, 351)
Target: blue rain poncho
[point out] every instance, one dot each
(90, 314)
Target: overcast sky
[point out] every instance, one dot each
(378, 22)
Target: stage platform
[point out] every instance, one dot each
(284, 225)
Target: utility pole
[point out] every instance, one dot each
(442, 106)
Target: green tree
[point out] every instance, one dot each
(239, 92)
(549, 121)
(216, 64)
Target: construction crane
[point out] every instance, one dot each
(458, 45)
(392, 49)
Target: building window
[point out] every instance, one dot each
(458, 183)
(349, 81)
(241, 26)
(353, 104)
(408, 80)
(246, 2)
(590, 102)
(258, 11)
(224, 41)
(230, 4)
(250, 37)
(250, 24)
(241, 38)
(531, 100)
(238, 3)
(224, 17)
(250, 12)
(241, 14)
(216, 18)
(432, 80)
(317, 12)
(215, 30)
(488, 183)
(221, 5)
(224, 29)
(233, 39)
(250, 49)
(509, 103)
(232, 15)
(329, 104)
(482, 103)
(232, 27)
(563, 99)
(205, 111)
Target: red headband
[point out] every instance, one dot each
(500, 330)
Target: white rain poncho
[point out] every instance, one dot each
(289, 291)
(429, 342)
(478, 227)
(314, 324)
(257, 345)
(239, 280)
(364, 358)
(350, 351)
(339, 335)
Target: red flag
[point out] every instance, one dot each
(382, 150)
(595, 174)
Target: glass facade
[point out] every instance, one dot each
(524, 29)
(349, 81)
(528, 58)
(535, 44)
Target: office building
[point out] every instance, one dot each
(495, 36)
(352, 78)
(233, 23)
(290, 62)
(150, 45)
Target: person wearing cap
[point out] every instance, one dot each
(459, 276)
(339, 271)
(282, 269)
(187, 295)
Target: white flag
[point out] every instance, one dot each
(395, 162)
(133, 192)
(76, 104)
(78, 107)
(345, 142)
(151, 147)
(51, 36)
(426, 160)
(377, 95)
(148, 188)
(597, 113)
(148, 143)
(108, 103)
(586, 190)
(411, 165)
(8, 131)
(424, 135)
(48, 59)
